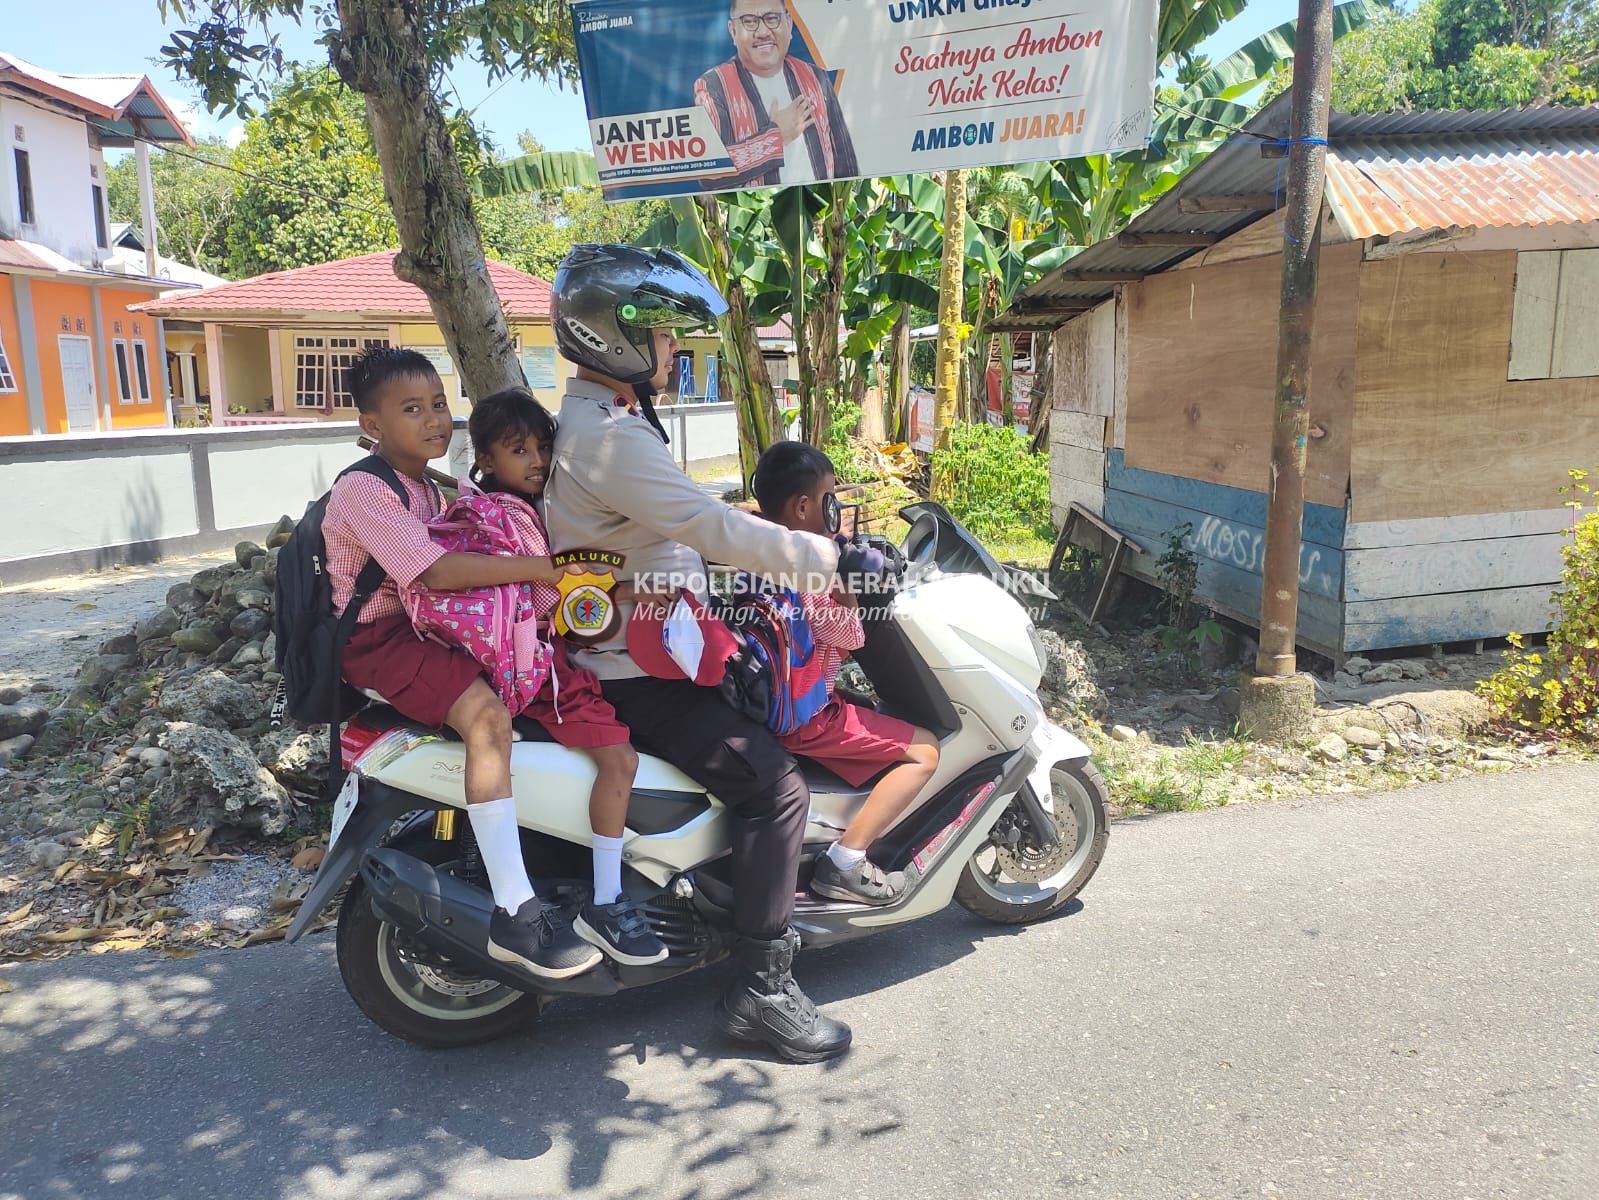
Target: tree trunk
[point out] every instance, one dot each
(897, 394)
(379, 52)
(759, 423)
(1007, 404)
(824, 317)
(951, 285)
(1043, 390)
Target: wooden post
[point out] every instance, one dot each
(1285, 497)
(141, 155)
(951, 285)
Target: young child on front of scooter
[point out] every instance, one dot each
(795, 485)
(403, 407)
(512, 438)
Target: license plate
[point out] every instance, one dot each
(343, 805)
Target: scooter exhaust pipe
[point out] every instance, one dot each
(451, 917)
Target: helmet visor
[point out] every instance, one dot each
(675, 294)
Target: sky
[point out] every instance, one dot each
(125, 37)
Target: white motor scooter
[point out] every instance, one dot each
(1012, 825)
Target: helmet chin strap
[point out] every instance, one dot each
(646, 403)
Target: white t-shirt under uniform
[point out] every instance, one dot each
(774, 93)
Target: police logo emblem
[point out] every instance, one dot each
(586, 612)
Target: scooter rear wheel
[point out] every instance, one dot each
(408, 991)
(1011, 886)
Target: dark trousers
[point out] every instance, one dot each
(742, 765)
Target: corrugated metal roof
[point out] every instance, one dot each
(1422, 122)
(124, 108)
(1380, 188)
(1387, 173)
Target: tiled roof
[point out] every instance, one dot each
(364, 285)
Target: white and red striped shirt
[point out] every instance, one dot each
(365, 519)
(836, 629)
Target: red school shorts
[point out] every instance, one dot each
(573, 711)
(419, 677)
(852, 741)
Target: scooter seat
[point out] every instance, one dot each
(382, 715)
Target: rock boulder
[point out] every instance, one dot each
(211, 695)
(216, 778)
(17, 720)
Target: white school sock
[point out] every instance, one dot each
(607, 869)
(494, 825)
(844, 858)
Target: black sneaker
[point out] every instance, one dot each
(620, 931)
(539, 940)
(864, 884)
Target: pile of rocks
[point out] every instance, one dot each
(172, 716)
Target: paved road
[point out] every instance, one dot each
(47, 627)
(1388, 996)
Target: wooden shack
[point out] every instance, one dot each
(1455, 378)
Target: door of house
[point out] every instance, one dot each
(77, 381)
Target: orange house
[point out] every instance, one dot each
(73, 356)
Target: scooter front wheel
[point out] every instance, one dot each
(1007, 882)
(408, 990)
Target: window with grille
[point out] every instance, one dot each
(102, 236)
(8, 378)
(124, 375)
(320, 362)
(141, 371)
(24, 186)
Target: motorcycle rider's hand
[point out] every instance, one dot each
(858, 562)
(547, 572)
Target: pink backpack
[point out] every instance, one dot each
(497, 626)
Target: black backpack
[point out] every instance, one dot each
(310, 638)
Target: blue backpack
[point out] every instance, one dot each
(776, 676)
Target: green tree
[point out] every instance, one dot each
(395, 54)
(194, 202)
(1470, 54)
(311, 189)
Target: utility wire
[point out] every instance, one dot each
(268, 180)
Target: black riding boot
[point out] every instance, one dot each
(764, 1004)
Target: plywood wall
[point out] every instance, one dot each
(1440, 430)
(1084, 398)
(1201, 370)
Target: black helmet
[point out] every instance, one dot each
(607, 299)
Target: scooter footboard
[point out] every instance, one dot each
(377, 806)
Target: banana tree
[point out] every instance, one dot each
(547, 171)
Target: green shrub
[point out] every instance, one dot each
(841, 445)
(1001, 488)
(1557, 691)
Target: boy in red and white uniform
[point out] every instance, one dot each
(795, 485)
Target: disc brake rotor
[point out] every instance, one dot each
(1029, 864)
(437, 975)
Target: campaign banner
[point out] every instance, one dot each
(688, 96)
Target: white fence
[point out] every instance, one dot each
(80, 501)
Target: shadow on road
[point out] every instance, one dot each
(160, 1077)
